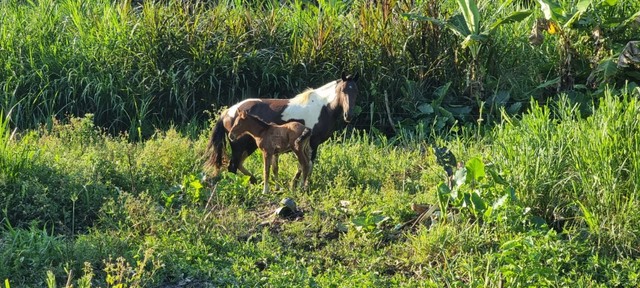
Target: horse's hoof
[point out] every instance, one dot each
(253, 180)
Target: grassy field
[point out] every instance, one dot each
(546, 199)
(107, 107)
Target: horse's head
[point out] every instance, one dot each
(347, 91)
(237, 129)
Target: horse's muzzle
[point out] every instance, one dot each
(347, 117)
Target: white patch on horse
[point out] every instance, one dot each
(233, 109)
(309, 112)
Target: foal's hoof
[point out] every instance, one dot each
(253, 180)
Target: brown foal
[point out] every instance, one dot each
(273, 140)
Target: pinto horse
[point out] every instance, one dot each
(318, 109)
(273, 140)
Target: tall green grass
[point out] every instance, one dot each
(578, 172)
(134, 66)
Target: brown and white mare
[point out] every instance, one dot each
(272, 140)
(318, 109)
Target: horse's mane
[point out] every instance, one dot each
(303, 97)
(262, 121)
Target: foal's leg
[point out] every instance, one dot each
(266, 160)
(274, 163)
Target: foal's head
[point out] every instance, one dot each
(347, 91)
(243, 123)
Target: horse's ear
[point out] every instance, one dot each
(353, 77)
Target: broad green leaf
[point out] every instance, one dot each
(440, 93)
(479, 205)
(581, 7)
(487, 213)
(496, 177)
(551, 10)
(459, 110)
(611, 2)
(514, 108)
(444, 195)
(608, 68)
(360, 221)
(458, 25)
(469, 10)
(511, 18)
(425, 108)
(475, 170)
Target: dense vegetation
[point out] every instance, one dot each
(138, 65)
(106, 109)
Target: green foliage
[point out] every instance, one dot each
(599, 20)
(26, 254)
(566, 167)
(547, 198)
(369, 222)
(471, 25)
(474, 193)
(138, 65)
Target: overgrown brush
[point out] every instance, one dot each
(579, 173)
(138, 65)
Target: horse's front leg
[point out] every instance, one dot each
(307, 166)
(296, 177)
(266, 161)
(274, 163)
(304, 159)
(312, 152)
(240, 150)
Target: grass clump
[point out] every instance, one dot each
(574, 170)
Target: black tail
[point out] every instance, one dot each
(216, 146)
(305, 134)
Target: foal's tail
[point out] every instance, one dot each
(303, 139)
(216, 146)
